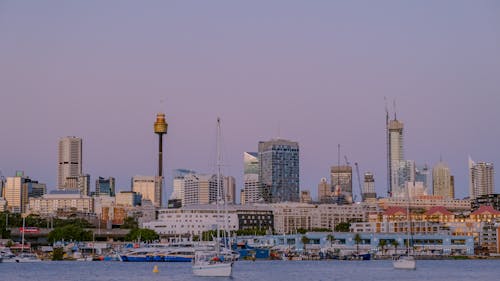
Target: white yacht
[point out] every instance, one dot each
(210, 264)
(215, 263)
(27, 257)
(6, 255)
(405, 262)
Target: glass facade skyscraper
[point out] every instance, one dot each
(105, 186)
(279, 170)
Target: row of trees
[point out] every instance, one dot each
(75, 229)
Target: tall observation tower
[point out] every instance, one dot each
(160, 129)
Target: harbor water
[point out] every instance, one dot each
(430, 270)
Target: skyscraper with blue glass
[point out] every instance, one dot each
(279, 170)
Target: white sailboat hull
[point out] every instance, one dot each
(405, 262)
(213, 270)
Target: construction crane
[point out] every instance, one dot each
(359, 181)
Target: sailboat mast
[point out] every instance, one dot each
(408, 220)
(22, 234)
(218, 183)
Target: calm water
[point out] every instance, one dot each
(476, 270)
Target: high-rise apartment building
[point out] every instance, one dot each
(16, 193)
(105, 186)
(395, 152)
(441, 181)
(69, 160)
(178, 184)
(279, 170)
(252, 191)
(369, 187)
(19, 189)
(341, 181)
(422, 174)
(481, 177)
(201, 189)
(80, 183)
(405, 173)
(35, 188)
(149, 187)
(229, 191)
(324, 191)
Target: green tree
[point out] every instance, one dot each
(305, 241)
(343, 227)
(57, 254)
(330, 238)
(320, 229)
(74, 221)
(35, 220)
(395, 244)
(382, 244)
(141, 234)
(301, 230)
(251, 231)
(129, 223)
(357, 240)
(70, 232)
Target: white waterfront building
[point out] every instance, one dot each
(195, 219)
(192, 219)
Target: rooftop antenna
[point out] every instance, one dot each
(338, 164)
(395, 111)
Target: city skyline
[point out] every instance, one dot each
(313, 73)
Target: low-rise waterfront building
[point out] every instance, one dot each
(427, 202)
(290, 216)
(195, 219)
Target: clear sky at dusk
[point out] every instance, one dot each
(315, 72)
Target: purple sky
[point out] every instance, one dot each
(315, 72)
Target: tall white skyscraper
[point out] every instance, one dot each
(395, 153)
(69, 160)
(481, 177)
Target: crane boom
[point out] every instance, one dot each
(359, 182)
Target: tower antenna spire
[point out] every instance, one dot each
(395, 110)
(160, 128)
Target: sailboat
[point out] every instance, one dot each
(24, 256)
(214, 263)
(406, 261)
